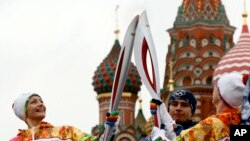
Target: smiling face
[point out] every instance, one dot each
(36, 109)
(180, 110)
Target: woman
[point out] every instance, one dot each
(227, 98)
(30, 108)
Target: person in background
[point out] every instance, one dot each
(227, 99)
(30, 108)
(181, 107)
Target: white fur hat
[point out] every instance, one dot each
(19, 105)
(231, 89)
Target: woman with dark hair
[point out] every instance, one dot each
(30, 108)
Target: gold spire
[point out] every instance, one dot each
(171, 81)
(199, 6)
(140, 101)
(244, 15)
(117, 30)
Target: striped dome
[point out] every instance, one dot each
(104, 75)
(237, 59)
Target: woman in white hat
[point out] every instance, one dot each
(30, 108)
(227, 99)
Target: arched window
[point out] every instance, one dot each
(209, 80)
(186, 81)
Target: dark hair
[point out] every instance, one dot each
(183, 95)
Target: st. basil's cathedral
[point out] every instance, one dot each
(200, 50)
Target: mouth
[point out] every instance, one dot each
(177, 115)
(40, 110)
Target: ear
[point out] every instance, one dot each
(192, 116)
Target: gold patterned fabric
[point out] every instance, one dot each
(213, 128)
(48, 132)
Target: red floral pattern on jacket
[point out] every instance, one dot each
(47, 131)
(213, 128)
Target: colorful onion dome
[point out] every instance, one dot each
(237, 59)
(208, 11)
(104, 75)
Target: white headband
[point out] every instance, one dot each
(19, 105)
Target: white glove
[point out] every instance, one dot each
(113, 129)
(158, 133)
(167, 120)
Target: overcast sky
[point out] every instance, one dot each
(53, 47)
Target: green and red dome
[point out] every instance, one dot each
(201, 11)
(104, 75)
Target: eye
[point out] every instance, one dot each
(33, 102)
(185, 104)
(174, 103)
(41, 100)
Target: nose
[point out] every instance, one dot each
(178, 107)
(40, 103)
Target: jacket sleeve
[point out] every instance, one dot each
(78, 135)
(211, 127)
(198, 132)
